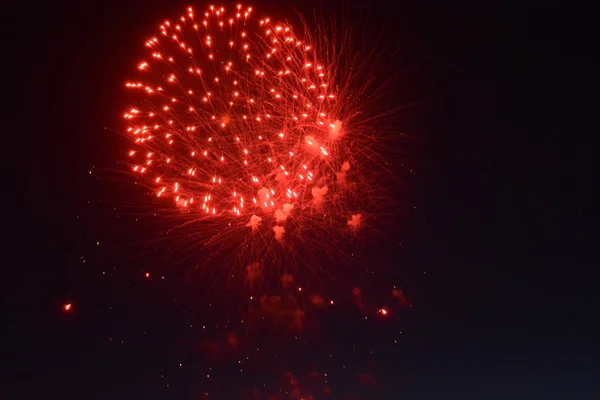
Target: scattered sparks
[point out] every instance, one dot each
(255, 123)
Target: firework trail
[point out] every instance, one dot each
(256, 134)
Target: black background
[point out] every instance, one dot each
(505, 196)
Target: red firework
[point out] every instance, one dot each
(258, 135)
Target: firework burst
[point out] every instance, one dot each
(258, 141)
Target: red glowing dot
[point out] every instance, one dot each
(383, 311)
(147, 274)
(67, 307)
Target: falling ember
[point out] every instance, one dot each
(232, 107)
(67, 307)
(383, 311)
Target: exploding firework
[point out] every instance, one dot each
(259, 141)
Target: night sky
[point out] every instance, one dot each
(493, 248)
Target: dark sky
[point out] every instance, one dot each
(497, 258)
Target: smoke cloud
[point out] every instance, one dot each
(279, 231)
(254, 222)
(318, 194)
(281, 215)
(355, 222)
